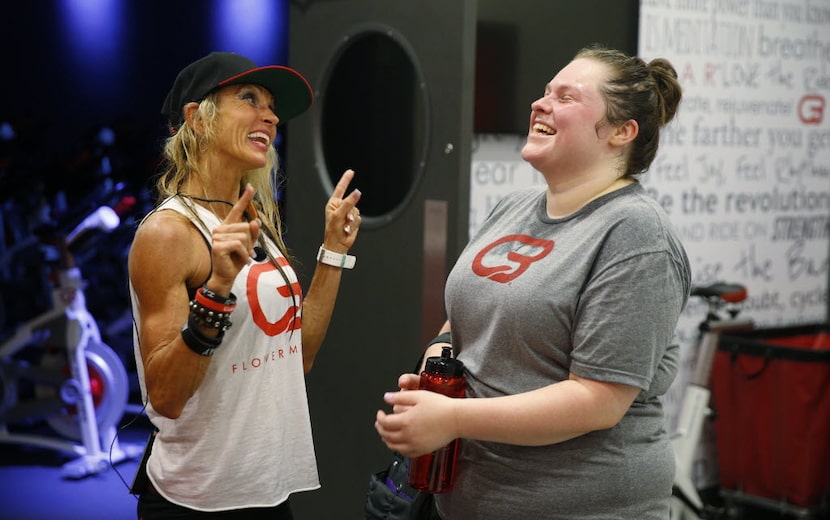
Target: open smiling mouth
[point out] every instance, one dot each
(541, 128)
(260, 137)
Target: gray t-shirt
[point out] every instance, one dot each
(532, 299)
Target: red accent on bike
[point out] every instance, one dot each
(97, 387)
(735, 297)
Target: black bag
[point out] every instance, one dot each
(390, 497)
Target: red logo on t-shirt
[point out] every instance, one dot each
(519, 262)
(291, 319)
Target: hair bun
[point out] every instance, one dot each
(668, 87)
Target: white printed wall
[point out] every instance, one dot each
(743, 171)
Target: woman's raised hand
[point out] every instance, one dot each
(342, 216)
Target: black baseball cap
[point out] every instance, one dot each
(292, 93)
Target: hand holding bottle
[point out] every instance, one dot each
(421, 422)
(424, 420)
(435, 472)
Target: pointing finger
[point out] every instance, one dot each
(342, 184)
(241, 206)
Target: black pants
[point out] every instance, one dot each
(424, 508)
(152, 506)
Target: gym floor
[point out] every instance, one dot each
(32, 485)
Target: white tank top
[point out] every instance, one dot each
(244, 438)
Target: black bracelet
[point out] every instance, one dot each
(445, 337)
(209, 317)
(210, 295)
(198, 341)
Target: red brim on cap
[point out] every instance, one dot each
(292, 92)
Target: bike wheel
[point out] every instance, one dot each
(109, 384)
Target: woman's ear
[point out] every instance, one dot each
(625, 133)
(190, 110)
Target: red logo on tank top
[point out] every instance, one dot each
(291, 319)
(519, 262)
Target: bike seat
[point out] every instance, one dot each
(728, 292)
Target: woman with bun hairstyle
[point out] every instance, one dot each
(563, 308)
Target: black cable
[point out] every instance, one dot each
(135, 417)
(112, 446)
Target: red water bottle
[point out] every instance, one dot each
(435, 472)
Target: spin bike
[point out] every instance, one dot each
(723, 301)
(75, 382)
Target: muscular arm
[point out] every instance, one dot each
(318, 307)
(318, 304)
(167, 255)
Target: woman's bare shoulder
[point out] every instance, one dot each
(168, 241)
(167, 230)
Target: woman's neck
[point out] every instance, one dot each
(566, 197)
(218, 178)
(216, 198)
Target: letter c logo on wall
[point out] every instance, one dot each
(290, 320)
(519, 263)
(811, 109)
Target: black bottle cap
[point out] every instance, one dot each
(445, 365)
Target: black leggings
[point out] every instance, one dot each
(152, 506)
(424, 508)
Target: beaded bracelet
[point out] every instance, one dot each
(208, 317)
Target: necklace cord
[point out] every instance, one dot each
(265, 251)
(209, 201)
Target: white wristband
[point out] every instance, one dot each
(342, 260)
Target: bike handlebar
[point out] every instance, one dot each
(103, 219)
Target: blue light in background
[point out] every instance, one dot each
(93, 33)
(93, 29)
(257, 29)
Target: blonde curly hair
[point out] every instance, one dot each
(181, 153)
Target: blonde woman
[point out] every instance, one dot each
(224, 334)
